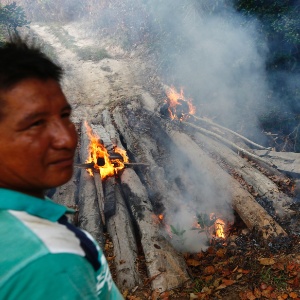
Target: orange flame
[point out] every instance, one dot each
(219, 228)
(97, 150)
(179, 107)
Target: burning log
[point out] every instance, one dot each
(163, 194)
(109, 196)
(115, 216)
(89, 213)
(261, 184)
(165, 266)
(120, 229)
(100, 195)
(253, 215)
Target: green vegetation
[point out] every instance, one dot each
(12, 16)
(278, 280)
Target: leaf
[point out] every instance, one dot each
(250, 296)
(221, 286)
(239, 276)
(193, 262)
(293, 295)
(266, 261)
(228, 282)
(210, 270)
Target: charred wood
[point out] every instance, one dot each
(120, 229)
(109, 196)
(163, 194)
(164, 264)
(261, 184)
(287, 162)
(89, 213)
(227, 130)
(100, 196)
(253, 215)
(271, 168)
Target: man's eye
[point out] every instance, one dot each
(66, 115)
(37, 123)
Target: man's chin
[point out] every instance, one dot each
(60, 178)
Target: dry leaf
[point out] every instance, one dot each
(210, 270)
(221, 286)
(250, 296)
(228, 282)
(238, 276)
(266, 261)
(193, 262)
(221, 253)
(257, 293)
(234, 269)
(266, 293)
(193, 296)
(293, 295)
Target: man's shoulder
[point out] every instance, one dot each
(37, 233)
(31, 245)
(49, 277)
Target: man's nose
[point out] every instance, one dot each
(64, 136)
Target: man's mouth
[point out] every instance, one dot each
(63, 162)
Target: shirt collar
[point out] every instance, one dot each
(43, 208)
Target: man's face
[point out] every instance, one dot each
(37, 138)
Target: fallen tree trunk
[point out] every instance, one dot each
(163, 195)
(261, 184)
(271, 168)
(287, 162)
(245, 205)
(89, 213)
(231, 132)
(117, 220)
(120, 229)
(166, 268)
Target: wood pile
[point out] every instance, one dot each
(180, 167)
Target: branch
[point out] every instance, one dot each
(232, 132)
(264, 163)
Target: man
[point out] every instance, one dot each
(42, 256)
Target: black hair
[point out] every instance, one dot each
(19, 61)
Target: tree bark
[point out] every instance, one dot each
(261, 184)
(120, 229)
(89, 213)
(165, 266)
(245, 205)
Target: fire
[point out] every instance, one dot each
(219, 228)
(108, 167)
(179, 107)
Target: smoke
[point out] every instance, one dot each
(216, 54)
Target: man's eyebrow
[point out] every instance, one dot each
(31, 117)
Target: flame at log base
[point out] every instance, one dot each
(97, 150)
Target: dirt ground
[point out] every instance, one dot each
(93, 86)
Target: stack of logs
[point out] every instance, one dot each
(126, 206)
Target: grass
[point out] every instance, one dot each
(278, 280)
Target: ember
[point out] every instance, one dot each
(176, 106)
(108, 164)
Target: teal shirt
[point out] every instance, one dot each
(43, 257)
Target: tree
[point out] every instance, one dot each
(12, 16)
